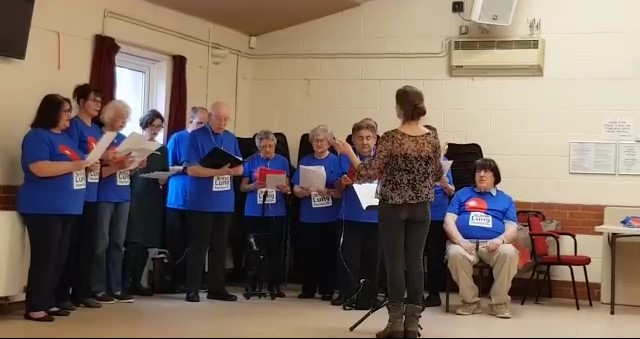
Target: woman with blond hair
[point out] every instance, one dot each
(114, 196)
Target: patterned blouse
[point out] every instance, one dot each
(406, 166)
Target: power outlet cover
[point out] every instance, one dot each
(457, 7)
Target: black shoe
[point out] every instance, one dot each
(142, 291)
(326, 297)
(338, 301)
(67, 306)
(59, 313)
(104, 299)
(192, 297)
(46, 319)
(433, 300)
(88, 303)
(305, 295)
(123, 298)
(223, 296)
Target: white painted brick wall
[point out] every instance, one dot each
(592, 70)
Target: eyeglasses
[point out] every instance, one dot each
(68, 111)
(156, 126)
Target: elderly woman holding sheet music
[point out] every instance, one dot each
(114, 196)
(318, 215)
(360, 242)
(146, 215)
(265, 179)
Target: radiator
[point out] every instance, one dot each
(14, 255)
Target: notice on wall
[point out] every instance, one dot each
(618, 128)
(629, 158)
(592, 157)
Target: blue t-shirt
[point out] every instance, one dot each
(210, 194)
(350, 208)
(63, 194)
(274, 200)
(177, 186)
(440, 199)
(482, 215)
(116, 187)
(86, 138)
(316, 209)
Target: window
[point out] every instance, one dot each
(141, 82)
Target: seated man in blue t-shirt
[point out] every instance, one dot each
(481, 224)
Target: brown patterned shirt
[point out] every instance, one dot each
(406, 166)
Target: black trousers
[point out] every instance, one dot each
(75, 281)
(320, 244)
(435, 250)
(207, 231)
(177, 240)
(49, 241)
(271, 229)
(134, 262)
(403, 229)
(359, 258)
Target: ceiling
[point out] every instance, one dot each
(256, 17)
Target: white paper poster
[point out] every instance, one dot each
(592, 157)
(629, 158)
(618, 128)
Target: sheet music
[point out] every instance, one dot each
(274, 180)
(367, 194)
(101, 147)
(446, 166)
(313, 176)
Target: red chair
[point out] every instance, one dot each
(541, 256)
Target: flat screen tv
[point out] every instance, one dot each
(15, 24)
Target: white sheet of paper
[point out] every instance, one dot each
(137, 142)
(101, 147)
(367, 194)
(274, 180)
(446, 166)
(313, 176)
(157, 175)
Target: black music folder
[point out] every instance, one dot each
(218, 158)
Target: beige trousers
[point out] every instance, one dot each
(504, 261)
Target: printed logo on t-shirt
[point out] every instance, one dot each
(475, 205)
(91, 143)
(71, 154)
(221, 183)
(480, 219)
(267, 195)
(318, 201)
(94, 176)
(123, 178)
(79, 180)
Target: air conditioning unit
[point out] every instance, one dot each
(497, 57)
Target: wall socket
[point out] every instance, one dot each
(457, 7)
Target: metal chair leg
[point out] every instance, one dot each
(573, 284)
(549, 281)
(586, 280)
(524, 288)
(538, 287)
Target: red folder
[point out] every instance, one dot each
(263, 171)
(352, 172)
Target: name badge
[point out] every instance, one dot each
(222, 183)
(94, 176)
(269, 198)
(479, 219)
(79, 180)
(318, 201)
(123, 178)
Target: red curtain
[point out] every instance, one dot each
(177, 119)
(103, 66)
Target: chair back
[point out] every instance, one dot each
(540, 247)
(523, 216)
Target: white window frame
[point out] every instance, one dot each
(156, 69)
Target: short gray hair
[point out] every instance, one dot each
(265, 134)
(321, 130)
(113, 110)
